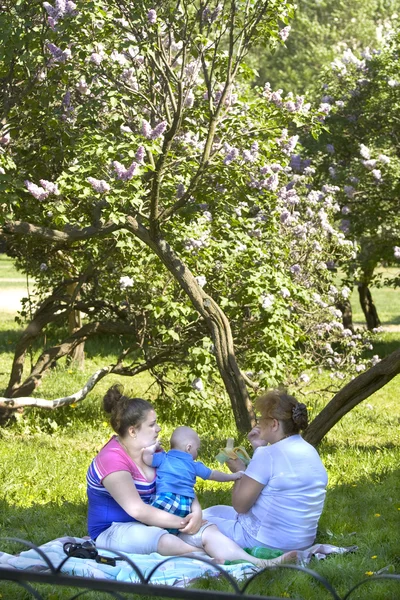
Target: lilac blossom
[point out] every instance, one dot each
(50, 187)
(58, 55)
(325, 108)
(248, 156)
(284, 292)
(276, 97)
(158, 130)
(304, 378)
(123, 173)
(43, 267)
(295, 269)
(384, 159)
(349, 191)
(83, 87)
(180, 190)
(397, 252)
(284, 33)
(201, 280)
(189, 100)
(197, 384)
(140, 154)
(330, 148)
(96, 58)
(267, 93)
(152, 16)
(345, 210)
(377, 174)
(365, 152)
(254, 148)
(231, 155)
(125, 129)
(393, 83)
(272, 182)
(291, 144)
(146, 130)
(37, 192)
(267, 301)
(99, 185)
(126, 282)
(374, 360)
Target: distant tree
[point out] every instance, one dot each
(359, 152)
(320, 30)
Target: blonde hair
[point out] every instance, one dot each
(277, 404)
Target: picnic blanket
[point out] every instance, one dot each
(176, 571)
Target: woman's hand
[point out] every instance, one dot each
(193, 522)
(254, 438)
(235, 465)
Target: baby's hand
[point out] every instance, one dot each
(237, 475)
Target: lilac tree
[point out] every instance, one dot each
(150, 188)
(359, 154)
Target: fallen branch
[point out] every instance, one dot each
(15, 403)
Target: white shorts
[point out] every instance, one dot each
(132, 537)
(137, 538)
(225, 518)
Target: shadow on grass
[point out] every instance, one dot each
(40, 523)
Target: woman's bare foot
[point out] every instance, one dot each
(287, 557)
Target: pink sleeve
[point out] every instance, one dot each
(112, 459)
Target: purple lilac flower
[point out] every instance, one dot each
(330, 148)
(146, 129)
(140, 154)
(272, 182)
(369, 164)
(50, 187)
(37, 192)
(254, 148)
(96, 58)
(123, 173)
(285, 293)
(291, 144)
(231, 155)
(267, 92)
(290, 106)
(365, 152)
(99, 185)
(152, 16)
(276, 97)
(345, 210)
(377, 174)
(197, 384)
(397, 252)
(295, 269)
(180, 190)
(58, 55)
(284, 33)
(325, 108)
(384, 159)
(158, 130)
(43, 267)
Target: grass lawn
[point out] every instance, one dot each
(44, 457)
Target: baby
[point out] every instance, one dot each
(177, 471)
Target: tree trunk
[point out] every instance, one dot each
(352, 394)
(220, 330)
(347, 314)
(368, 306)
(77, 354)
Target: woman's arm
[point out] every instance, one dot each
(245, 492)
(195, 518)
(121, 487)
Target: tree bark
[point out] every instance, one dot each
(347, 314)
(77, 354)
(352, 394)
(368, 306)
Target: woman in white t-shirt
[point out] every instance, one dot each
(279, 500)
